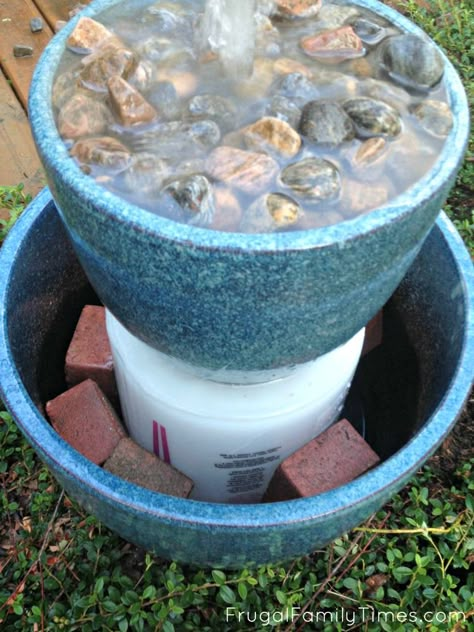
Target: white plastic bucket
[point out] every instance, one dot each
(229, 438)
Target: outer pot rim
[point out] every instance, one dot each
(201, 515)
(55, 156)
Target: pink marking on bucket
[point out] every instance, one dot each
(156, 439)
(164, 443)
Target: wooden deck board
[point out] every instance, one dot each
(15, 16)
(54, 10)
(20, 162)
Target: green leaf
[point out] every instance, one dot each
(149, 592)
(281, 596)
(123, 625)
(242, 590)
(227, 594)
(218, 577)
(402, 573)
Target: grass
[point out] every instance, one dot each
(406, 569)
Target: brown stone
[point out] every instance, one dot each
(373, 333)
(89, 35)
(82, 116)
(128, 104)
(247, 170)
(257, 85)
(332, 47)
(89, 355)
(298, 8)
(136, 465)
(334, 458)
(370, 150)
(287, 66)
(270, 133)
(104, 150)
(85, 419)
(185, 83)
(108, 61)
(228, 211)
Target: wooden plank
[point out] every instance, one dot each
(19, 160)
(15, 16)
(54, 10)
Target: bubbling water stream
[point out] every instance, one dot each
(229, 29)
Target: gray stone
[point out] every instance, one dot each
(283, 108)
(326, 122)
(22, 50)
(298, 87)
(372, 117)
(369, 32)
(215, 108)
(413, 61)
(315, 179)
(36, 25)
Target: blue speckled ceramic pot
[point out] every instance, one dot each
(242, 302)
(413, 387)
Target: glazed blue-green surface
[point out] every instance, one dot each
(235, 301)
(43, 289)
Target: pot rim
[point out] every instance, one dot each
(55, 155)
(378, 482)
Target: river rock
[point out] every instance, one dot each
(194, 196)
(434, 116)
(288, 66)
(298, 87)
(326, 122)
(283, 108)
(22, 50)
(185, 83)
(373, 118)
(36, 25)
(64, 87)
(130, 107)
(88, 35)
(256, 86)
(332, 47)
(333, 16)
(413, 61)
(145, 175)
(82, 116)
(175, 139)
(369, 32)
(246, 170)
(360, 197)
(107, 62)
(297, 8)
(273, 134)
(215, 108)
(163, 96)
(143, 77)
(104, 151)
(228, 211)
(269, 213)
(315, 179)
(370, 151)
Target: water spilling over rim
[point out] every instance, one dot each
(53, 149)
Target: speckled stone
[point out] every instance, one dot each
(88, 35)
(42, 291)
(335, 457)
(89, 355)
(266, 300)
(85, 419)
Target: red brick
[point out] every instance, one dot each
(85, 419)
(89, 355)
(136, 465)
(373, 333)
(335, 457)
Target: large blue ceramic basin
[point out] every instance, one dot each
(413, 387)
(227, 300)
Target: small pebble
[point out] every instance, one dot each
(22, 50)
(36, 25)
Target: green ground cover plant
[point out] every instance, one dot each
(408, 568)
